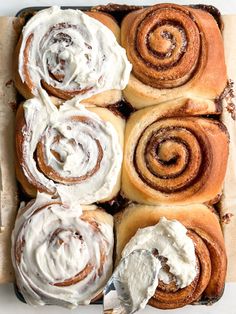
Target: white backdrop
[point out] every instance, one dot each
(8, 301)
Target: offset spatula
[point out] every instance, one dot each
(117, 298)
(111, 301)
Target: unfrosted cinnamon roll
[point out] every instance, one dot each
(176, 51)
(73, 152)
(61, 255)
(70, 53)
(191, 252)
(174, 157)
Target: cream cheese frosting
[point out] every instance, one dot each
(169, 242)
(87, 149)
(76, 48)
(51, 244)
(136, 279)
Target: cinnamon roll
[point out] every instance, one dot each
(61, 255)
(191, 253)
(176, 51)
(174, 157)
(70, 53)
(73, 152)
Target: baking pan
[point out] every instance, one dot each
(118, 12)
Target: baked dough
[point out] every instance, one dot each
(203, 224)
(176, 51)
(173, 156)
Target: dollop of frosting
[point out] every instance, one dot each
(72, 51)
(134, 289)
(79, 155)
(59, 256)
(170, 241)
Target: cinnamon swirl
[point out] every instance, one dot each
(61, 255)
(176, 51)
(173, 157)
(70, 53)
(73, 152)
(191, 252)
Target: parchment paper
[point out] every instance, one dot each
(228, 205)
(8, 194)
(9, 202)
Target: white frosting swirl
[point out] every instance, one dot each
(52, 246)
(137, 273)
(71, 51)
(77, 145)
(170, 239)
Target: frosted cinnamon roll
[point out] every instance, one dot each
(73, 152)
(176, 51)
(70, 53)
(61, 255)
(191, 253)
(173, 157)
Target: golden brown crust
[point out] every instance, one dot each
(22, 88)
(26, 88)
(173, 157)
(177, 58)
(208, 236)
(28, 188)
